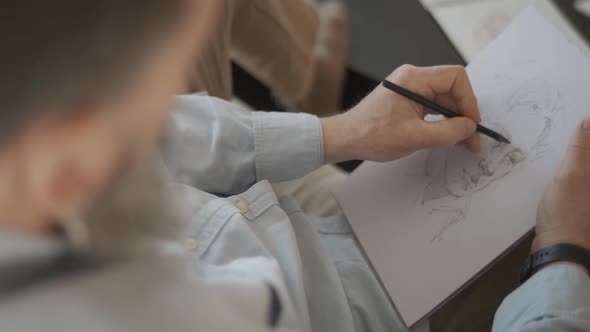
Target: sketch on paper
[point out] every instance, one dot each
(491, 26)
(455, 176)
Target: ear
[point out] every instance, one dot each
(65, 160)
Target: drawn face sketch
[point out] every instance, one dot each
(530, 111)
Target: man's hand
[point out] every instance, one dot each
(386, 126)
(564, 212)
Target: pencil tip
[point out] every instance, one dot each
(504, 140)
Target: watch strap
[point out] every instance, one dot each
(562, 252)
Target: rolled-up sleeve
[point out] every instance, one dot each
(222, 148)
(557, 298)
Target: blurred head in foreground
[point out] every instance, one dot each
(85, 92)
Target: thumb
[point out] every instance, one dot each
(578, 152)
(446, 132)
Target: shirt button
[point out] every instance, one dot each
(190, 244)
(243, 207)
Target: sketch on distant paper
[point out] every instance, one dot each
(491, 26)
(454, 175)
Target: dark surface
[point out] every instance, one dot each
(390, 33)
(383, 36)
(474, 307)
(580, 21)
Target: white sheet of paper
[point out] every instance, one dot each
(430, 222)
(473, 25)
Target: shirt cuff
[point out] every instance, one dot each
(288, 145)
(556, 296)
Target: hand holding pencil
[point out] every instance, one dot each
(440, 109)
(387, 126)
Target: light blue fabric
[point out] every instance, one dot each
(221, 148)
(330, 272)
(322, 278)
(243, 245)
(556, 298)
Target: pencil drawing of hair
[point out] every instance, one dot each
(455, 175)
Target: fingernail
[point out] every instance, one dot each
(586, 124)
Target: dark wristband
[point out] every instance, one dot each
(562, 252)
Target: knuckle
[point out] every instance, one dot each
(406, 67)
(450, 70)
(405, 71)
(461, 75)
(460, 70)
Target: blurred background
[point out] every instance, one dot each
(384, 34)
(425, 32)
